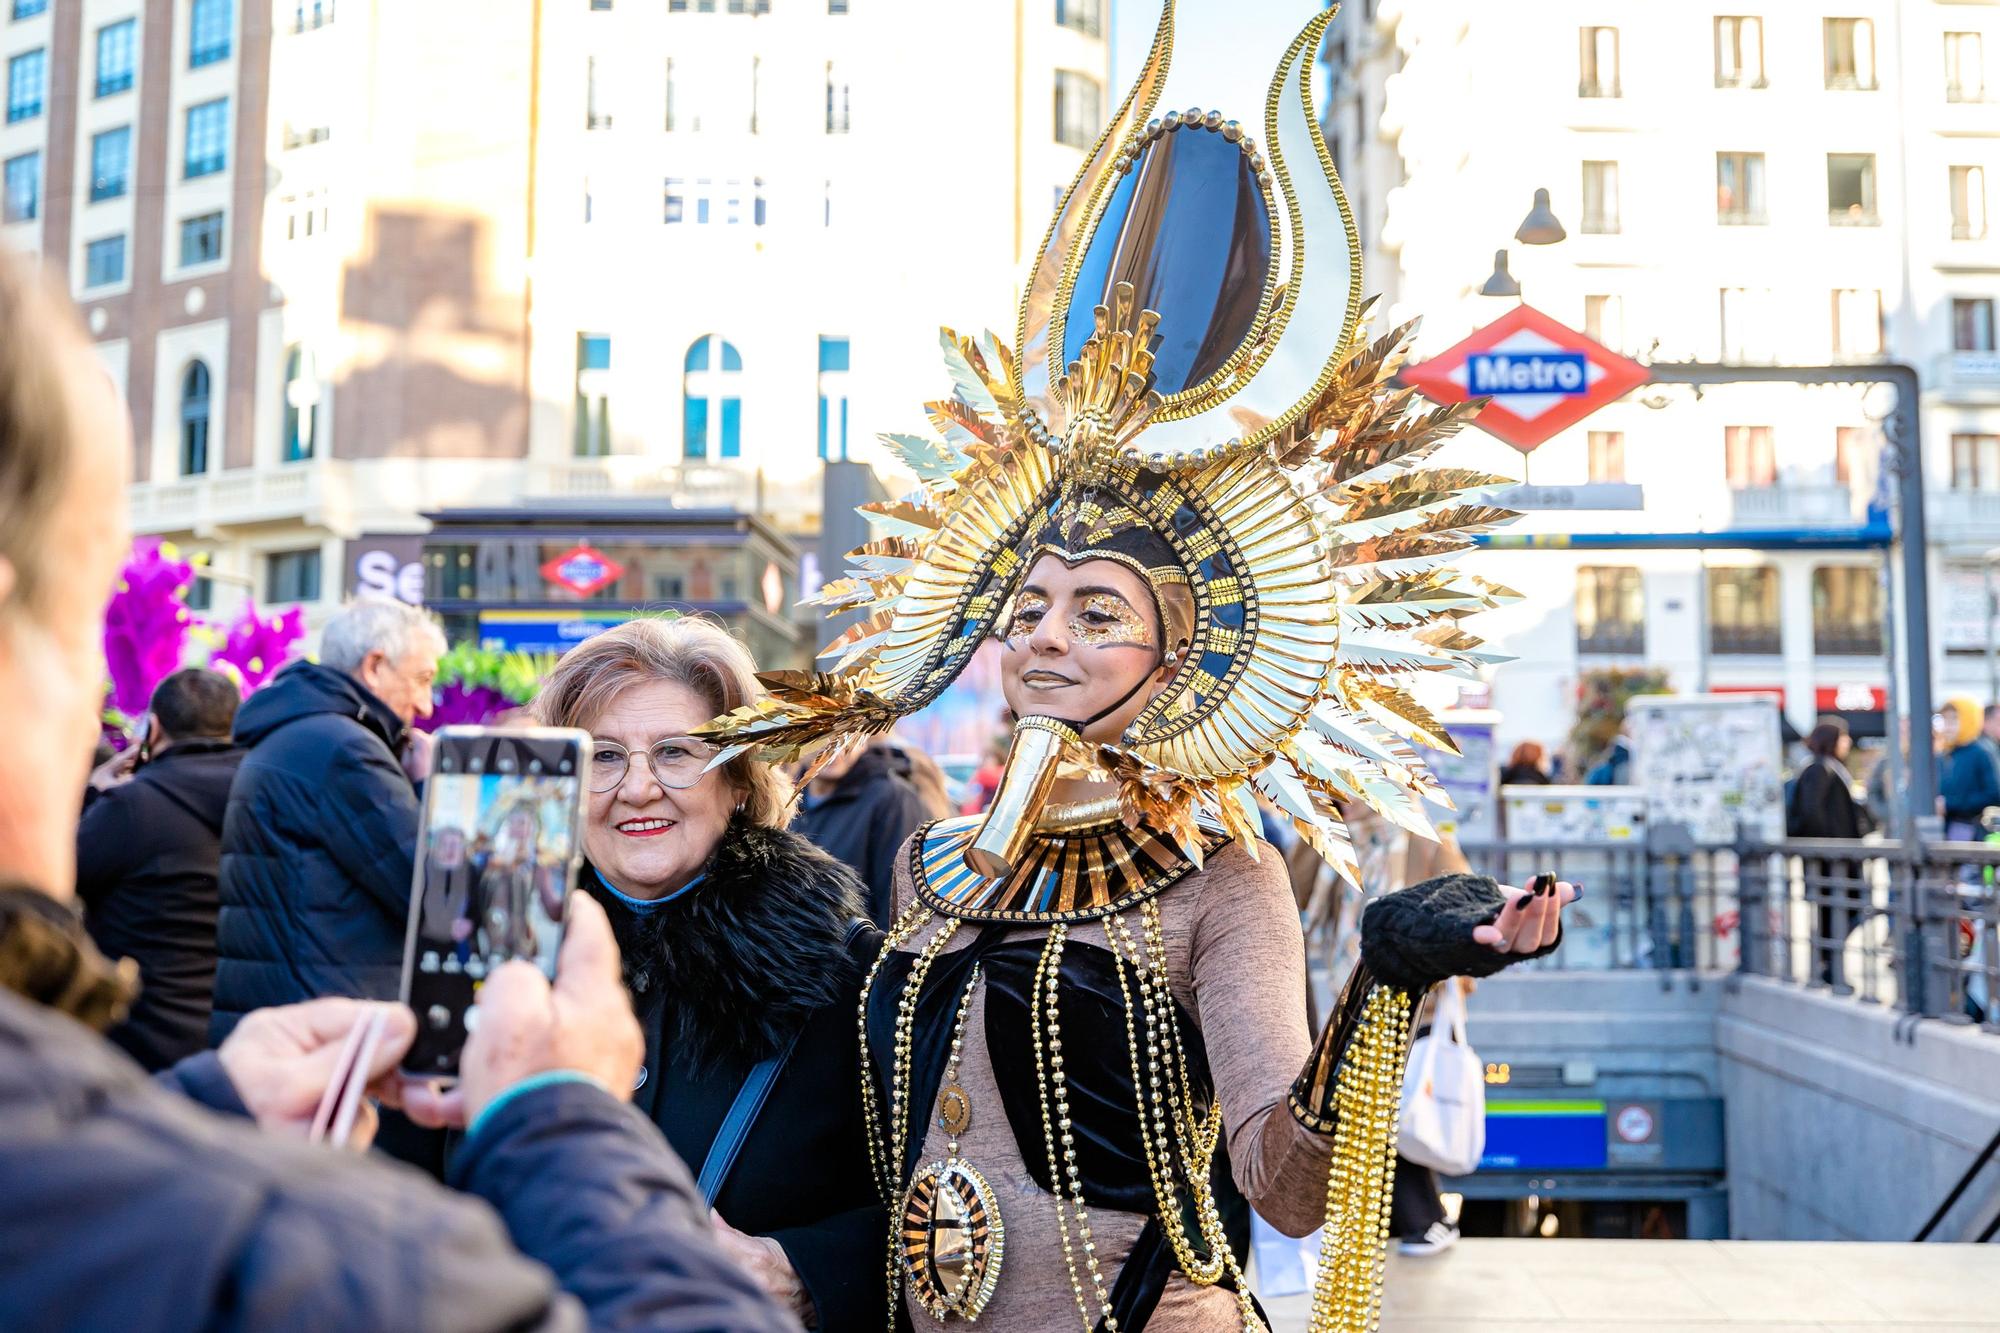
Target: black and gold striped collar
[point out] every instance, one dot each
(1075, 875)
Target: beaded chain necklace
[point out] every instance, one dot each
(945, 1237)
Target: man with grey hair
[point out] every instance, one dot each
(319, 840)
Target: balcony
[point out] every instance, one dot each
(1854, 640)
(1746, 640)
(315, 493)
(1975, 372)
(1611, 640)
(1964, 518)
(1785, 506)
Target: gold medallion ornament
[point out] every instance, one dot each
(952, 1237)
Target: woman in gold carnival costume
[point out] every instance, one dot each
(1193, 512)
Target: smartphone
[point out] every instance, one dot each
(497, 856)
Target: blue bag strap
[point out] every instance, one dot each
(750, 1099)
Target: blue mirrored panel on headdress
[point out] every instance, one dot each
(1189, 228)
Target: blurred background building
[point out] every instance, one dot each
(1797, 184)
(576, 273)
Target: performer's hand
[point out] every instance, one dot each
(1528, 922)
(765, 1260)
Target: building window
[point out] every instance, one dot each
(104, 261)
(1972, 324)
(1964, 67)
(116, 56)
(311, 134)
(712, 411)
(826, 204)
(301, 405)
(27, 82)
(1739, 189)
(1604, 320)
(209, 22)
(207, 149)
(110, 163)
(833, 363)
(1598, 63)
(1607, 455)
(756, 88)
(602, 5)
(1610, 610)
(1847, 611)
(593, 402)
(594, 117)
(1850, 464)
(23, 188)
(201, 239)
(1750, 457)
(27, 9)
(1600, 197)
(836, 99)
(194, 420)
(1079, 109)
(749, 6)
(1857, 322)
(1975, 462)
(675, 200)
(1850, 189)
(1743, 611)
(1747, 334)
(310, 14)
(1968, 203)
(292, 576)
(1739, 51)
(200, 594)
(677, 117)
(836, 6)
(1850, 53)
(1084, 16)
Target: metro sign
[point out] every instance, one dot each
(583, 570)
(1540, 376)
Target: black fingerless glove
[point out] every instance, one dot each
(1416, 937)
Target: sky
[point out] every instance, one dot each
(1133, 23)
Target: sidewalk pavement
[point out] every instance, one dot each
(1642, 1286)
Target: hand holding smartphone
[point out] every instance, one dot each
(497, 857)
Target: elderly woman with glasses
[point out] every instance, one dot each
(743, 950)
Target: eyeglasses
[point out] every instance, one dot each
(678, 762)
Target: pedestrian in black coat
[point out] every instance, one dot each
(319, 843)
(147, 851)
(1821, 804)
(860, 812)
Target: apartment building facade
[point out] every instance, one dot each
(1799, 185)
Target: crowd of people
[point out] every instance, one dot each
(229, 895)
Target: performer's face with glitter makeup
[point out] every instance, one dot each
(1082, 638)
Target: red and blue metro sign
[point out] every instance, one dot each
(1541, 376)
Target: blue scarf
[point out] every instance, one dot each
(641, 906)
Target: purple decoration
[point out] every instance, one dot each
(146, 624)
(459, 705)
(253, 648)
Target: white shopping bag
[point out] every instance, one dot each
(1444, 1094)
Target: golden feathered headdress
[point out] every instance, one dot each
(1188, 362)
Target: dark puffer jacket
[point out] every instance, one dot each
(316, 848)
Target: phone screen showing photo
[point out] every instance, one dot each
(495, 862)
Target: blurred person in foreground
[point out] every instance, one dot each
(147, 849)
(319, 846)
(129, 1205)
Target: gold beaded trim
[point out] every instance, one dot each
(1347, 1295)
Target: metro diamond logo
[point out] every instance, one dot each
(1541, 376)
(583, 570)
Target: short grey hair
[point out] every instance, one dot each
(375, 624)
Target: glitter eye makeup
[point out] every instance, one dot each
(1029, 609)
(1104, 620)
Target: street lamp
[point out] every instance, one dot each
(1502, 282)
(1540, 227)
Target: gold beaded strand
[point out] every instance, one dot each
(1347, 1294)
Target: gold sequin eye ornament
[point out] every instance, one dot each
(1105, 621)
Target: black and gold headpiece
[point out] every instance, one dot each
(1187, 379)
